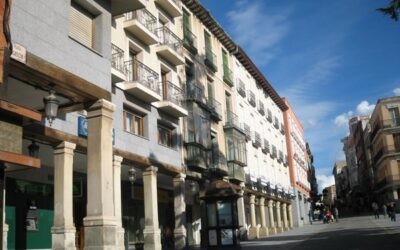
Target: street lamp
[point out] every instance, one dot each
(33, 149)
(51, 106)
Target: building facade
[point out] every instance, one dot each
(150, 118)
(299, 165)
(385, 147)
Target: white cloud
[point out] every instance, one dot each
(364, 108)
(249, 20)
(324, 181)
(343, 119)
(396, 91)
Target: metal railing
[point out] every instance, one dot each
(265, 148)
(189, 40)
(273, 155)
(173, 93)
(228, 75)
(256, 139)
(247, 131)
(276, 122)
(196, 156)
(195, 92)
(241, 88)
(215, 107)
(280, 156)
(144, 17)
(138, 72)
(232, 120)
(211, 59)
(117, 59)
(236, 172)
(269, 115)
(261, 109)
(282, 129)
(219, 164)
(251, 98)
(167, 37)
(385, 150)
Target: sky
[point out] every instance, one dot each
(331, 59)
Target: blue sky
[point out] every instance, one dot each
(331, 59)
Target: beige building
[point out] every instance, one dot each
(385, 148)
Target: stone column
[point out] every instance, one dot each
(117, 160)
(285, 221)
(63, 230)
(289, 208)
(240, 208)
(180, 211)
(278, 216)
(264, 228)
(101, 227)
(272, 228)
(3, 224)
(253, 231)
(152, 233)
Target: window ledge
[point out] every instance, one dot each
(91, 49)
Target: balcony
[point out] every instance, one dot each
(387, 182)
(172, 7)
(215, 108)
(276, 122)
(256, 139)
(236, 172)
(142, 82)
(170, 47)
(228, 75)
(280, 156)
(247, 131)
(269, 115)
(211, 60)
(196, 156)
(235, 147)
(251, 98)
(384, 124)
(265, 148)
(261, 109)
(142, 24)
(117, 64)
(172, 102)
(119, 7)
(385, 151)
(189, 40)
(282, 129)
(219, 165)
(232, 121)
(241, 88)
(196, 94)
(274, 153)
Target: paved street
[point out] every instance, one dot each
(355, 233)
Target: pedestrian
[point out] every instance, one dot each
(393, 211)
(310, 216)
(336, 213)
(375, 209)
(384, 210)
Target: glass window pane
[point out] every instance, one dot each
(225, 214)
(226, 237)
(212, 215)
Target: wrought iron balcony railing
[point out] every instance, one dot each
(189, 40)
(247, 131)
(276, 122)
(274, 153)
(256, 139)
(139, 72)
(265, 148)
(167, 37)
(228, 75)
(215, 108)
(117, 59)
(173, 93)
(211, 59)
(241, 88)
(261, 109)
(269, 115)
(144, 17)
(251, 98)
(195, 93)
(282, 129)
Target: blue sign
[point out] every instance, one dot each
(83, 131)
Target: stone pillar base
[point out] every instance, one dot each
(264, 232)
(101, 234)
(272, 230)
(63, 238)
(120, 238)
(180, 238)
(152, 238)
(254, 233)
(279, 229)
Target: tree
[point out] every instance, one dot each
(393, 9)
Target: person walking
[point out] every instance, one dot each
(336, 213)
(310, 216)
(375, 209)
(384, 210)
(393, 211)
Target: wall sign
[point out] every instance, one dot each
(19, 53)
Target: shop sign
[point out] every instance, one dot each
(83, 131)
(19, 53)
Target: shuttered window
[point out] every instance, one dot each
(81, 25)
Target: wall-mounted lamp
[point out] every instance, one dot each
(132, 179)
(51, 106)
(33, 149)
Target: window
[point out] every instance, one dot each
(81, 25)
(165, 136)
(134, 122)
